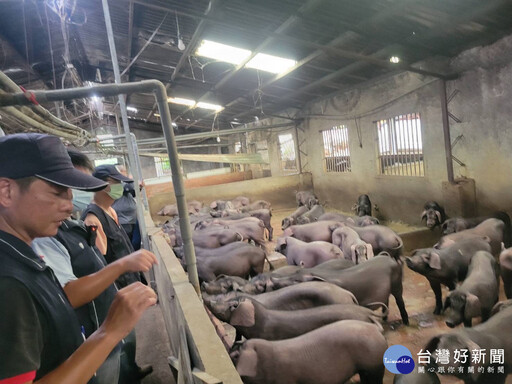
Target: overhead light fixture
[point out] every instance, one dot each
(174, 124)
(218, 139)
(394, 59)
(222, 52)
(213, 107)
(270, 63)
(234, 55)
(181, 101)
(156, 114)
(132, 109)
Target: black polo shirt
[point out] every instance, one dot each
(38, 326)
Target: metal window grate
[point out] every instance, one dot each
(163, 166)
(287, 151)
(400, 146)
(336, 149)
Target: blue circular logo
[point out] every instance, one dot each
(398, 359)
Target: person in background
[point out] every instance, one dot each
(86, 278)
(126, 209)
(113, 242)
(40, 336)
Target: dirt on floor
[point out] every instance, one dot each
(419, 302)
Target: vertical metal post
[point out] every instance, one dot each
(179, 187)
(446, 131)
(124, 115)
(297, 150)
(139, 167)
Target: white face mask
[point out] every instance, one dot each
(81, 199)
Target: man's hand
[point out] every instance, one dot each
(127, 308)
(138, 261)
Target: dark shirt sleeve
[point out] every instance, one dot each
(21, 336)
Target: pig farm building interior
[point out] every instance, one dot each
(283, 145)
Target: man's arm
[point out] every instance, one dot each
(126, 309)
(87, 288)
(101, 238)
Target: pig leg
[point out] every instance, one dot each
(401, 307)
(436, 287)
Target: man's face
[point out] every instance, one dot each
(40, 210)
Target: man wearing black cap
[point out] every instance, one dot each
(112, 240)
(87, 281)
(40, 336)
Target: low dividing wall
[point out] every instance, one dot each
(167, 187)
(280, 191)
(198, 355)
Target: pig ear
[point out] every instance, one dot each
(213, 205)
(247, 364)
(487, 239)
(502, 246)
(243, 314)
(351, 220)
(473, 307)
(438, 214)
(423, 215)
(369, 251)
(353, 253)
(434, 261)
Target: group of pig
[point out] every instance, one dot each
(469, 259)
(317, 320)
(219, 235)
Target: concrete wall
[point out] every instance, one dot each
(280, 191)
(483, 105)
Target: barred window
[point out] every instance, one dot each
(336, 149)
(163, 166)
(401, 146)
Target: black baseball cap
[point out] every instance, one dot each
(45, 157)
(109, 170)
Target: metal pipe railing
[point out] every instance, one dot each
(109, 90)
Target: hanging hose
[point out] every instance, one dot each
(35, 124)
(11, 86)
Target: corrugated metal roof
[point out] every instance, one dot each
(338, 38)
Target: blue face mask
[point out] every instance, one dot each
(81, 199)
